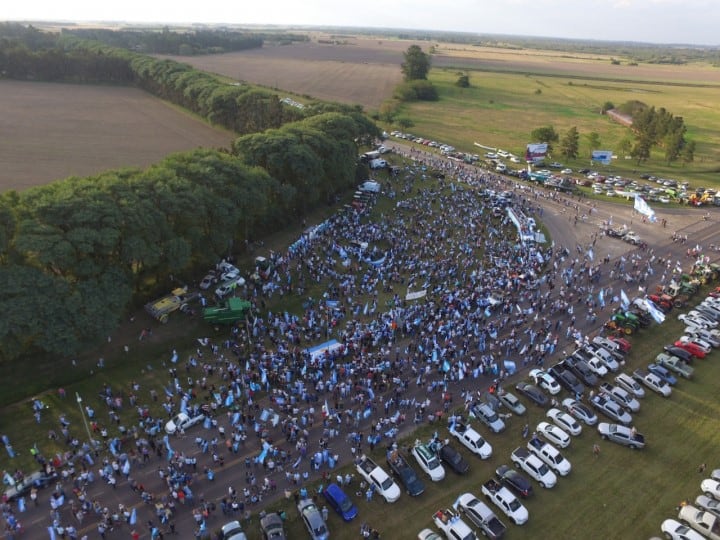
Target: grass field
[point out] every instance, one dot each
(52, 131)
(622, 494)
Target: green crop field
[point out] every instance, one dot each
(500, 109)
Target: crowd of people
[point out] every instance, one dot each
(486, 304)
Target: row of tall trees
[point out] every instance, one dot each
(75, 254)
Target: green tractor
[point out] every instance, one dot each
(620, 324)
(231, 311)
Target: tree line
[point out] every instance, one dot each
(77, 253)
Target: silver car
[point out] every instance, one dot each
(313, 520)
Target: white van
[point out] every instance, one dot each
(378, 164)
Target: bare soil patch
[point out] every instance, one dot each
(52, 131)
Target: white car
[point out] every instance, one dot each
(428, 461)
(471, 439)
(653, 382)
(697, 316)
(711, 488)
(550, 455)
(596, 365)
(626, 382)
(545, 381)
(608, 359)
(565, 421)
(553, 434)
(566, 171)
(708, 503)
(702, 333)
(428, 534)
(182, 421)
(228, 287)
(621, 396)
(674, 530)
(537, 469)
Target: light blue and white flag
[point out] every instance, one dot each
(655, 313)
(624, 300)
(642, 207)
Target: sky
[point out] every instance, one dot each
(654, 21)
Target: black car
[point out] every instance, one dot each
(567, 379)
(682, 354)
(454, 459)
(402, 469)
(583, 372)
(533, 393)
(514, 480)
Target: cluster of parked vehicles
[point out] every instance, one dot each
(698, 520)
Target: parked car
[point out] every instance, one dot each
(453, 458)
(693, 348)
(681, 353)
(272, 527)
(181, 422)
(510, 401)
(705, 346)
(470, 438)
(564, 421)
(553, 434)
(663, 373)
(483, 412)
(428, 461)
(232, 531)
(705, 523)
(621, 435)
(629, 384)
(674, 530)
(580, 368)
(621, 396)
(580, 411)
(208, 281)
(535, 467)
(550, 455)
(611, 409)
(709, 504)
(711, 488)
(623, 343)
(533, 393)
(567, 378)
(514, 480)
(340, 502)
(402, 469)
(480, 515)
(653, 382)
(544, 380)
(673, 363)
(313, 520)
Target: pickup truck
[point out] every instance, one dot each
(621, 435)
(504, 499)
(402, 469)
(470, 439)
(703, 522)
(377, 477)
(452, 526)
(550, 455)
(531, 464)
(480, 515)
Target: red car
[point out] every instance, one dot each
(623, 343)
(690, 347)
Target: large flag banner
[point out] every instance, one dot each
(602, 156)
(536, 152)
(624, 300)
(655, 313)
(642, 207)
(415, 295)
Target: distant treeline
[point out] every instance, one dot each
(76, 254)
(239, 107)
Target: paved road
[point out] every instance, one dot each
(557, 215)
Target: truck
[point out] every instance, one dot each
(229, 312)
(550, 455)
(376, 476)
(622, 435)
(402, 470)
(480, 515)
(452, 525)
(471, 439)
(534, 466)
(161, 308)
(703, 522)
(504, 499)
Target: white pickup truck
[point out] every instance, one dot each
(550, 455)
(471, 439)
(452, 526)
(503, 498)
(377, 477)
